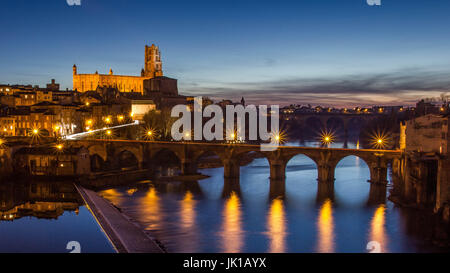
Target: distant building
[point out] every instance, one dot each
(53, 86)
(141, 107)
(90, 82)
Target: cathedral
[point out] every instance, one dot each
(90, 82)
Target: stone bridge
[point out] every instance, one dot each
(147, 155)
(335, 121)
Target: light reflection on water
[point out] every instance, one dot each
(276, 227)
(378, 229)
(231, 232)
(205, 216)
(325, 227)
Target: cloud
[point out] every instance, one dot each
(402, 87)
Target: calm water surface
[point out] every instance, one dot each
(37, 217)
(205, 216)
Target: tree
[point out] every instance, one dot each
(160, 121)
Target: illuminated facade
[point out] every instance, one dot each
(90, 82)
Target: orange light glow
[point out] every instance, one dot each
(231, 233)
(327, 137)
(325, 225)
(276, 225)
(378, 229)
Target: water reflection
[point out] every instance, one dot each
(26, 208)
(150, 209)
(276, 225)
(234, 215)
(37, 199)
(325, 227)
(114, 196)
(231, 234)
(188, 224)
(377, 228)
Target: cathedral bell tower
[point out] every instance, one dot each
(153, 64)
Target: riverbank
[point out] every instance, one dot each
(126, 235)
(437, 222)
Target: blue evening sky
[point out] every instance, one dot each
(341, 52)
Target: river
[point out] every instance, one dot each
(204, 216)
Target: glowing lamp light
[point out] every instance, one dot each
(278, 137)
(35, 131)
(108, 120)
(59, 147)
(108, 132)
(87, 103)
(120, 118)
(380, 140)
(327, 137)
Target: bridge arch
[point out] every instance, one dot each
(97, 163)
(209, 157)
(336, 124)
(352, 172)
(99, 150)
(127, 159)
(301, 170)
(165, 162)
(315, 124)
(136, 151)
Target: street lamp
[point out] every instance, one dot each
(59, 147)
(327, 137)
(379, 140)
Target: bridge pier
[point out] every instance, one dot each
(277, 188)
(378, 175)
(278, 169)
(377, 194)
(188, 167)
(231, 168)
(325, 173)
(231, 185)
(325, 190)
(378, 171)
